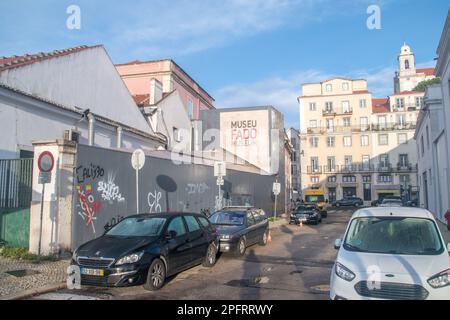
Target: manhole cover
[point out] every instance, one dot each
(22, 273)
(248, 282)
(296, 272)
(321, 288)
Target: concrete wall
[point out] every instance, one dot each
(105, 189)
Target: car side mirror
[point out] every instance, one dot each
(337, 244)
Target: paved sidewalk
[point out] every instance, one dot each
(38, 277)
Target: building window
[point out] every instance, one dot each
(422, 146)
(419, 102)
(314, 142)
(315, 164)
(190, 108)
(315, 180)
(313, 123)
(349, 179)
(363, 103)
(367, 179)
(347, 122)
(330, 142)
(329, 106)
(332, 179)
(348, 160)
(176, 134)
(381, 122)
(312, 106)
(402, 138)
(404, 179)
(347, 141)
(364, 123)
(401, 120)
(329, 123)
(346, 106)
(328, 88)
(331, 164)
(400, 102)
(385, 178)
(384, 161)
(364, 141)
(383, 139)
(366, 162)
(403, 160)
(345, 86)
(406, 64)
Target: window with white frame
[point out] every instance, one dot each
(347, 122)
(314, 142)
(346, 106)
(315, 180)
(313, 123)
(402, 138)
(312, 106)
(419, 102)
(383, 139)
(349, 179)
(363, 103)
(364, 140)
(385, 178)
(329, 88)
(347, 141)
(345, 86)
(330, 142)
(400, 102)
(364, 123)
(328, 106)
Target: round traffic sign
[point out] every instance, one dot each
(46, 161)
(138, 159)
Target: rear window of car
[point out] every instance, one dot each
(192, 223)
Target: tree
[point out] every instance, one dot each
(422, 86)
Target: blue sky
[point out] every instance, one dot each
(243, 52)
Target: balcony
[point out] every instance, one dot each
(394, 126)
(406, 167)
(406, 107)
(384, 167)
(331, 169)
(337, 112)
(349, 168)
(314, 169)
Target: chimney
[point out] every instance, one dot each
(156, 91)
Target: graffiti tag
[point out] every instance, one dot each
(153, 201)
(110, 191)
(89, 207)
(193, 188)
(89, 172)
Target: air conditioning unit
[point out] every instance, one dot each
(72, 135)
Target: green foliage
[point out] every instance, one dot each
(422, 86)
(272, 219)
(23, 254)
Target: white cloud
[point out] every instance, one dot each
(166, 28)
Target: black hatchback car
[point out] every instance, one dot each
(146, 249)
(348, 202)
(307, 214)
(239, 228)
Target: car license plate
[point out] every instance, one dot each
(93, 272)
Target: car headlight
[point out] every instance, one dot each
(440, 280)
(343, 272)
(131, 258)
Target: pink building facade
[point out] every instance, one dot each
(137, 76)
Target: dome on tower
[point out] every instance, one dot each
(405, 49)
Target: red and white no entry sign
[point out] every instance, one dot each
(46, 161)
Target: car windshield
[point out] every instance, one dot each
(391, 235)
(305, 208)
(314, 199)
(138, 227)
(228, 218)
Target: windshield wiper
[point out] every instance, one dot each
(354, 248)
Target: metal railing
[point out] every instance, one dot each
(361, 168)
(337, 111)
(363, 128)
(15, 183)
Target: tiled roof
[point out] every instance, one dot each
(20, 61)
(380, 105)
(141, 99)
(427, 71)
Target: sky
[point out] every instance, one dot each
(243, 52)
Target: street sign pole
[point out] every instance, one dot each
(137, 191)
(41, 219)
(276, 192)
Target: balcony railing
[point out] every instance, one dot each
(362, 168)
(314, 170)
(337, 112)
(363, 128)
(384, 167)
(406, 107)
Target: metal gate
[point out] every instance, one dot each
(15, 199)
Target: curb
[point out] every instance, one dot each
(34, 292)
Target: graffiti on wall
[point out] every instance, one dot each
(89, 172)
(153, 200)
(87, 207)
(113, 221)
(197, 188)
(109, 190)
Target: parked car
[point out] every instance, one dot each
(240, 227)
(412, 203)
(348, 202)
(391, 253)
(391, 203)
(306, 214)
(146, 249)
(377, 202)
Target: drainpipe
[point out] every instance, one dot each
(91, 130)
(119, 137)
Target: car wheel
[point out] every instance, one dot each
(211, 255)
(241, 247)
(156, 275)
(264, 238)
